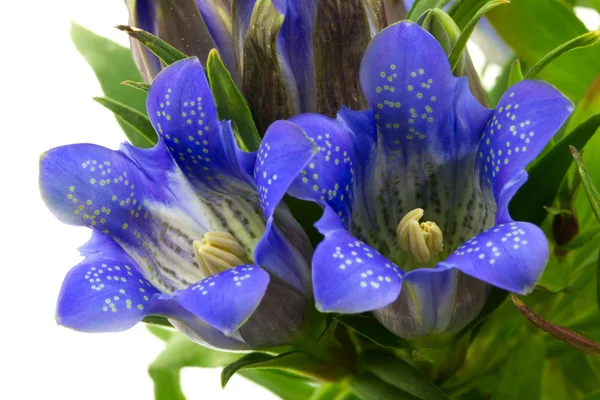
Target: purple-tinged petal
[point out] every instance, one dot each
(226, 300)
(217, 17)
(152, 213)
(278, 255)
(283, 153)
(511, 256)
(350, 276)
(142, 14)
(106, 292)
(434, 300)
(183, 112)
(429, 125)
(526, 118)
(242, 12)
(329, 176)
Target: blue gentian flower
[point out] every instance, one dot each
(426, 150)
(179, 229)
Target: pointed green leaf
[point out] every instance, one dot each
(369, 328)
(590, 190)
(561, 333)
(420, 6)
(230, 102)
(367, 386)
(167, 53)
(584, 238)
(598, 280)
(521, 374)
(462, 11)
(533, 28)
(401, 375)
(181, 352)
(539, 191)
(143, 86)
(333, 391)
(143, 133)
(516, 74)
(585, 40)
(294, 362)
(461, 43)
(157, 320)
(112, 64)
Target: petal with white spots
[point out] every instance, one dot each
(105, 292)
(526, 118)
(283, 153)
(350, 276)
(511, 256)
(226, 300)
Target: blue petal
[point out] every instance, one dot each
(526, 118)
(151, 212)
(242, 12)
(349, 276)
(283, 153)
(217, 18)
(182, 110)
(429, 125)
(511, 256)
(277, 254)
(434, 300)
(226, 300)
(142, 14)
(329, 177)
(106, 292)
(295, 50)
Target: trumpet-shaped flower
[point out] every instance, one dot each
(416, 190)
(180, 230)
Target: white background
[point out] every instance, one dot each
(45, 101)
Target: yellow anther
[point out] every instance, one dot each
(421, 240)
(217, 252)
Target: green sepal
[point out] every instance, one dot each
(516, 73)
(143, 134)
(282, 384)
(368, 386)
(421, 6)
(462, 11)
(369, 328)
(157, 320)
(585, 40)
(461, 43)
(561, 333)
(294, 362)
(590, 190)
(539, 191)
(112, 63)
(167, 53)
(143, 86)
(180, 352)
(230, 102)
(400, 375)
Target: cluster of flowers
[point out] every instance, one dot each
(196, 229)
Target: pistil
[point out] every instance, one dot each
(422, 240)
(218, 252)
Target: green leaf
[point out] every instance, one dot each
(370, 387)
(371, 329)
(230, 102)
(598, 281)
(420, 6)
(157, 320)
(465, 34)
(181, 352)
(143, 86)
(590, 190)
(331, 391)
(163, 50)
(516, 74)
(584, 344)
(294, 362)
(585, 40)
(521, 374)
(144, 135)
(112, 64)
(463, 11)
(282, 384)
(584, 238)
(539, 191)
(400, 374)
(533, 28)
